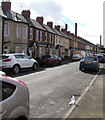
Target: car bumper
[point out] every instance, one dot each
(89, 66)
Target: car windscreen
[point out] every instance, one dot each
(3, 57)
(90, 58)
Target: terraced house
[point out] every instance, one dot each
(20, 33)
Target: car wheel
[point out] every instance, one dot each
(34, 67)
(80, 68)
(16, 69)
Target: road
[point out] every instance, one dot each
(51, 89)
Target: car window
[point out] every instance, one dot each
(25, 56)
(3, 57)
(6, 90)
(53, 56)
(90, 58)
(45, 56)
(21, 57)
(18, 56)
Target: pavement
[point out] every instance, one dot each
(90, 105)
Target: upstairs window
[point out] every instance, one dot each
(40, 35)
(31, 34)
(6, 28)
(46, 37)
(37, 35)
(18, 32)
(25, 32)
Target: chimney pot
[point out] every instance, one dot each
(57, 27)
(40, 19)
(50, 24)
(6, 4)
(26, 13)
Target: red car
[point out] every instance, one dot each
(50, 60)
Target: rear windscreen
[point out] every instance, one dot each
(3, 57)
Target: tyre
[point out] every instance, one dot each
(16, 69)
(80, 68)
(34, 67)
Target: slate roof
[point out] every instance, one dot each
(49, 29)
(12, 15)
(37, 25)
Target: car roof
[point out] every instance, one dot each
(11, 80)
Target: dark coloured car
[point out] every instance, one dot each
(101, 58)
(50, 60)
(89, 62)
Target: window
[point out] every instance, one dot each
(25, 32)
(31, 34)
(6, 28)
(52, 39)
(40, 35)
(22, 57)
(46, 37)
(37, 35)
(6, 90)
(18, 32)
(49, 38)
(17, 49)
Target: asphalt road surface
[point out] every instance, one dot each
(51, 89)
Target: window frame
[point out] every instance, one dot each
(6, 28)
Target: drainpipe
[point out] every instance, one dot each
(2, 34)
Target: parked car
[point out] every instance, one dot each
(17, 61)
(101, 58)
(50, 60)
(76, 57)
(89, 62)
(14, 99)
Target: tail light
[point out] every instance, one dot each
(7, 60)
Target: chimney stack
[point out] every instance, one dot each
(6, 4)
(40, 19)
(76, 29)
(100, 40)
(57, 27)
(66, 26)
(50, 24)
(26, 13)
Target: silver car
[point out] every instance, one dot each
(14, 100)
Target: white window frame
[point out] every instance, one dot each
(18, 31)
(37, 35)
(49, 38)
(24, 32)
(31, 34)
(6, 29)
(45, 36)
(40, 35)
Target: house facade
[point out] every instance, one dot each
(20, 33)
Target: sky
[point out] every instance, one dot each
(88, 14)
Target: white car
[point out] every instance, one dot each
(76, 57)
(17, 61)
(14, 100)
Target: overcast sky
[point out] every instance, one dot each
(88, 14)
